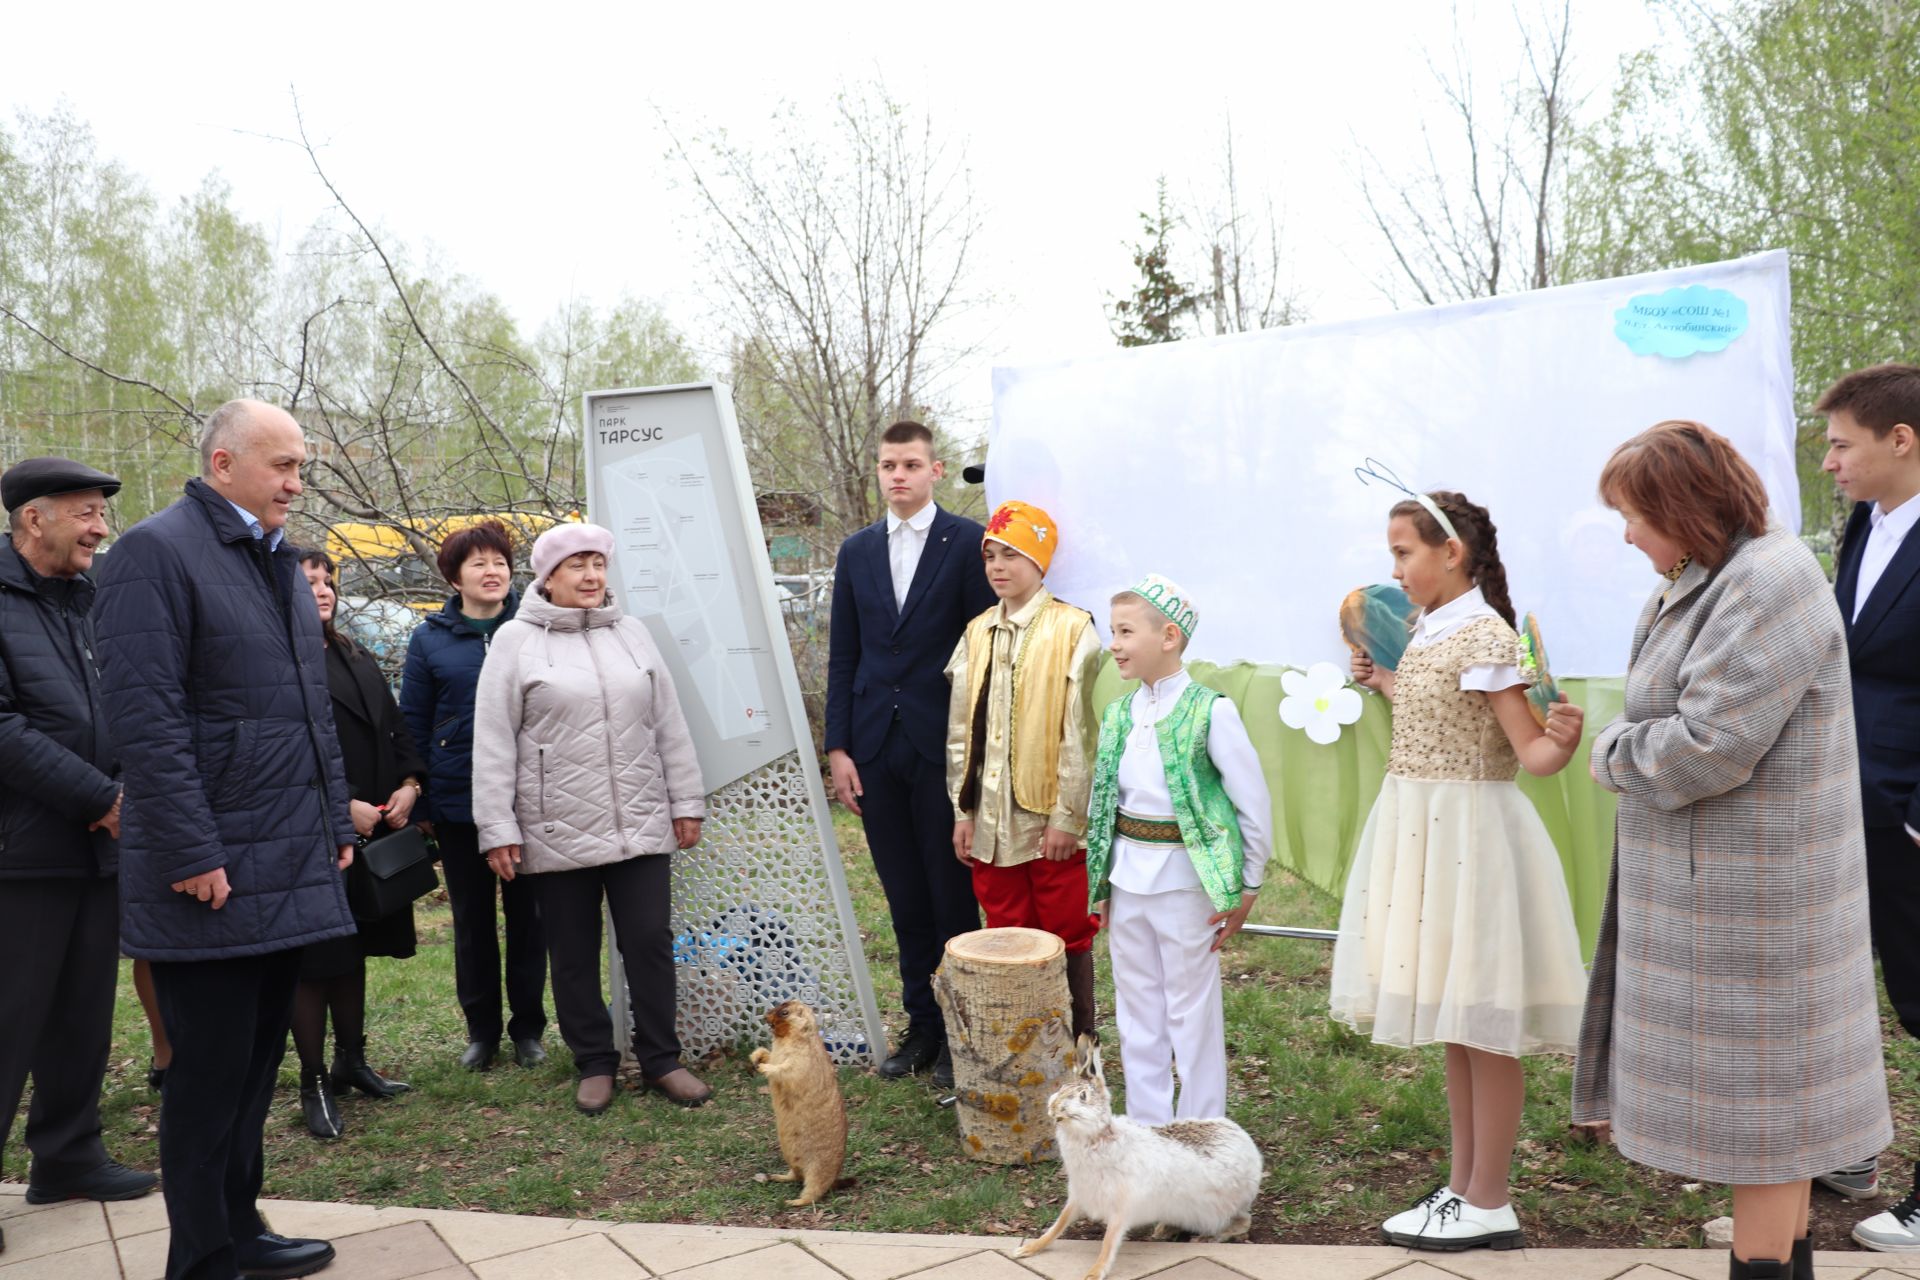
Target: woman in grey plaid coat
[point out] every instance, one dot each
(1732, 1031)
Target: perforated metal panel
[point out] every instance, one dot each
(760, 915)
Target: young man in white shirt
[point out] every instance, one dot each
(904, 588)
(1874, 457)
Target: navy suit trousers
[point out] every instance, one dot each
(1893, 902)
(909, 824)
(228, 1022)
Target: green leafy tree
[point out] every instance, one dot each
(121, 326)
(1161, 304)
(1786, 124)
(82, 325)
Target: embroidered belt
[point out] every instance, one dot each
(1131, 826)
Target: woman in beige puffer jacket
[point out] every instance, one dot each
(585, 778)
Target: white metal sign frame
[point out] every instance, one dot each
(761, 907)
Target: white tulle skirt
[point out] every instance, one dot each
(1456, 928)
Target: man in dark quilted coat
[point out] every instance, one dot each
(234, 822)
(59, 814)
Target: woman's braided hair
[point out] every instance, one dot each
(1476, 531)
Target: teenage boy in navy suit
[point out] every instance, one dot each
(904, 589)
(1872, 416)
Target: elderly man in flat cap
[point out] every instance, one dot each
(59, 830)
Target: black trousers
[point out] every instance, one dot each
(60, 954)
(1893, 899)
(909, 824)
(228, 1021)
(476, 941)
(636, 893)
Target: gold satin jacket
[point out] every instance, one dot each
(1026, 738)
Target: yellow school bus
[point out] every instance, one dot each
(376, 560)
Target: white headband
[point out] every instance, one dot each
(1446, 525)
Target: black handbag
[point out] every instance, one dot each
(389, 872)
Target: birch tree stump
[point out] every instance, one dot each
(1004, 994)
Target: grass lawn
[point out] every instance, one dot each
(1351, 1132)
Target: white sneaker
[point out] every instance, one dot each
(1457, 1225)
(1412, 1220)
(1854, 1181)
(1895, 1231)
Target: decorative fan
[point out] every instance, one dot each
(1542, 692)
(1378, 621)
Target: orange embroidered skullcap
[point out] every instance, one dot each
(1027, 529)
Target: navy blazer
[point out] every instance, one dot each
(884, 660)
(1883, 646)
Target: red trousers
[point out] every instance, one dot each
(1039, 895)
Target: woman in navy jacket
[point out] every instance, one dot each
(444, 656)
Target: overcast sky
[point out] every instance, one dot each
(520, 141)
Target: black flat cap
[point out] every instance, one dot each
(44, 477)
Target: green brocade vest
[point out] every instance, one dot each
(1208, 824)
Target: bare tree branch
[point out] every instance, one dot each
(186, 409)
(1453, 226)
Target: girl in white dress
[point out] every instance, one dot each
(1456, 927)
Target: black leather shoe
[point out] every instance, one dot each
(916, 1053)
(943, 1068)
(110, 1181)
(529, 1053)
(274, 1256)
(318, 1106)
(350, 1071)
(479, 1055)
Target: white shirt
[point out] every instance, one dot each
(1888, 530)
(257, 529)
(1142, 779)
(906, 539)
(1435, 625)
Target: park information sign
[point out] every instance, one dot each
(761, 911)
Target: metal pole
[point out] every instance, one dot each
(1287, 931)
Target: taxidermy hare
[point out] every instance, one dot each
(1190, 1175)
(808, 1111)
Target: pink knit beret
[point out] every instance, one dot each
(564, 540)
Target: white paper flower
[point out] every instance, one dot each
(1318, 701)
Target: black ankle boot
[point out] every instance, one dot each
(1803, 1258)
(1759, 1269)
(350, 1071)
(317, 1104)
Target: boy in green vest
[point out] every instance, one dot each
(1177, 839)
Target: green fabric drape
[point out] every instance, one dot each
(1321, 795)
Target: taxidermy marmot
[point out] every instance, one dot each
(808, 1110)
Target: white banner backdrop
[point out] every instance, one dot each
(1228, 463)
